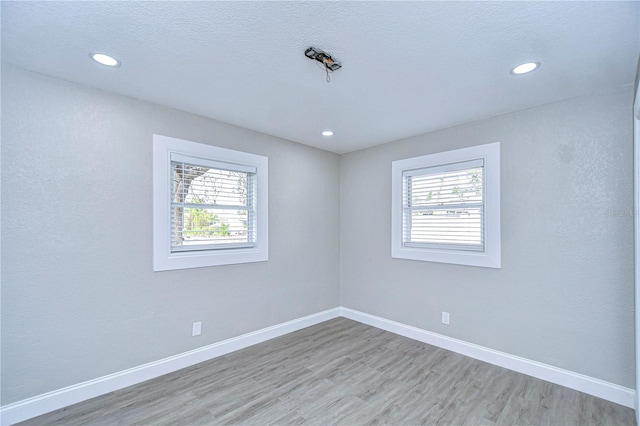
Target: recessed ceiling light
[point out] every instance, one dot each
(103, 59)
(525, 68)
(327, 133)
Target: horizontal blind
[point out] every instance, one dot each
(213, 204)
(443, 206)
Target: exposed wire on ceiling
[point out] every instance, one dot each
(330, 65)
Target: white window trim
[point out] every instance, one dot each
(163, 258)
(490, 257)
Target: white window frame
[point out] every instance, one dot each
(163, 258)
(490, 257)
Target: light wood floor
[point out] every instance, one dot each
(343, 372)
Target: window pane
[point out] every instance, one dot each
(454, 226)
(445, 209)
(211, 208)
(193, 184)
(455, 187)
(211, 226)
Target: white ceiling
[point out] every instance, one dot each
(408, 67)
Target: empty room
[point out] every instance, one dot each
(319, 212)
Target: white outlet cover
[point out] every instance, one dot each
(197, 328)
(445, 318)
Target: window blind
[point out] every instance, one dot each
(443, 206)
(212, 204)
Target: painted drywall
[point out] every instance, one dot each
(564, 295)
(79, 296)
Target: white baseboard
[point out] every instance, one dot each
(596, 387)
(41, 404)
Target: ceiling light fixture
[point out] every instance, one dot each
(103, 59)
(327, 133)
(525, 68)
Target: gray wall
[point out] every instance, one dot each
(79, 298)
(564, 295)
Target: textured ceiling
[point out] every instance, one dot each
(408, 67)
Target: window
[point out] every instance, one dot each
(210, 205)
(446, 207)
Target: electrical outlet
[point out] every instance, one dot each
(197, 328)
(445, 318)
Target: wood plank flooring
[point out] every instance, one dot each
(346, 373)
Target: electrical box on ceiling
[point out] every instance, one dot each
(322, 57)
